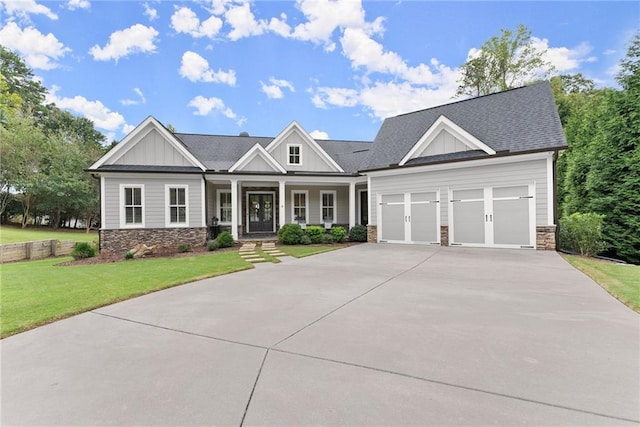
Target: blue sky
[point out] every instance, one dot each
(337, 67)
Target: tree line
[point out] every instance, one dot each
(599, 173)
(43, 153)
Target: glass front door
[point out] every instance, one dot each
(260, 212)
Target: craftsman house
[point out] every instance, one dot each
(478, 172)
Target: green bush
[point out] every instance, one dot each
(290, 234)
(212, 245)
(225, 240)
(327, 239)
(128, 255)
(358, 233)
(315, 233)
(582, 233)
(305, 240)
(339, 234)
(184, 247)
(82, 250)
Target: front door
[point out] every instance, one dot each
(261, 216)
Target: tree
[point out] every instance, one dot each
(505, 61)
(19, 78)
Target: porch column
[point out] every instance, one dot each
(352, 204)
(234, 209)
(281, 203)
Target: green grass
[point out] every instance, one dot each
(11, 234)
(39, 292)
(620, 280)
(301, 251)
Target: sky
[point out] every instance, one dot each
(337, 67)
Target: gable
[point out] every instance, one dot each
(445, 137)
(149, 144)
(313, 157)
(257, 160)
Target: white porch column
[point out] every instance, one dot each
(234, 209)
(281, 203)
(352, 204)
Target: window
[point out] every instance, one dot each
(299, 206)
(328, 206)
(224, 206)
(295, 154)
(177, 205)
(132, 207)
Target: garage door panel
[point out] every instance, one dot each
(468, 222)
(511, 222)
(393, 222)
(424, 222)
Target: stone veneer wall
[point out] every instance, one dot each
(372, 233)
(117, 242)
(444, 235)
(546, 237)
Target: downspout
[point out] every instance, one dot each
(555, 200)
(97, 177)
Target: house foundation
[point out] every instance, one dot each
(546, 237)
(372, 233)
(119, 242)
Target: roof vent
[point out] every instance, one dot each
(244, 133)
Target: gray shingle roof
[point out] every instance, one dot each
(219, 152)
(517, 120)
(149, 168)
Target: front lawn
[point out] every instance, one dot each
(620, 280)
(39, 292)
(13, 234)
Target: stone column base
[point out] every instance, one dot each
(119, 242)
(444, 235)
(546, 237)
(372, 233)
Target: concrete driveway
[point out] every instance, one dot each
(369, 335)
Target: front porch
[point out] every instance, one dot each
(255, 207)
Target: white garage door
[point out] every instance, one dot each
(493, 216)
(410, 217)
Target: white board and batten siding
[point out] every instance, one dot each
(311, 161)
(152, 149)
(155, 198)
(511, 200)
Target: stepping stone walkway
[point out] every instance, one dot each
(248, 252)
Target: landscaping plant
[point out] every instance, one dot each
(315, 233)
(582, 233)
(339, 234)
(290, 234)
(358, 233)
(82, 250)
(184, 247)
(225, 240)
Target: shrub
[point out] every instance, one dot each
(327, 239)
(225, 240)
(184, 247)
(128, 255)
(305, 240)
(339, 234)
(582, 233)
(315, 233)
(82, 250)
(212, 245)
(358, 233)
(290, 234)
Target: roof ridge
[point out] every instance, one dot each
(470, 99)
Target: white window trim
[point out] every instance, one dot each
(123, 223)
(289, 154)
(218, 206)
(167, 218)
(306, 205)
(335, 205)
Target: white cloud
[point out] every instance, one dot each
(333, 96)
(150, 12)
(274, 90)
(38, 50)
(609, 52)
(563, 58)
(24, 8)
(135, 39)
(243, 22)
(78, 4)
(101, 116)
(195, 68)
(185, 20)
(325, 16)
(141, 100)
(319, 134)
(204, 106)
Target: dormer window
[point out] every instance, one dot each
(295, 154)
